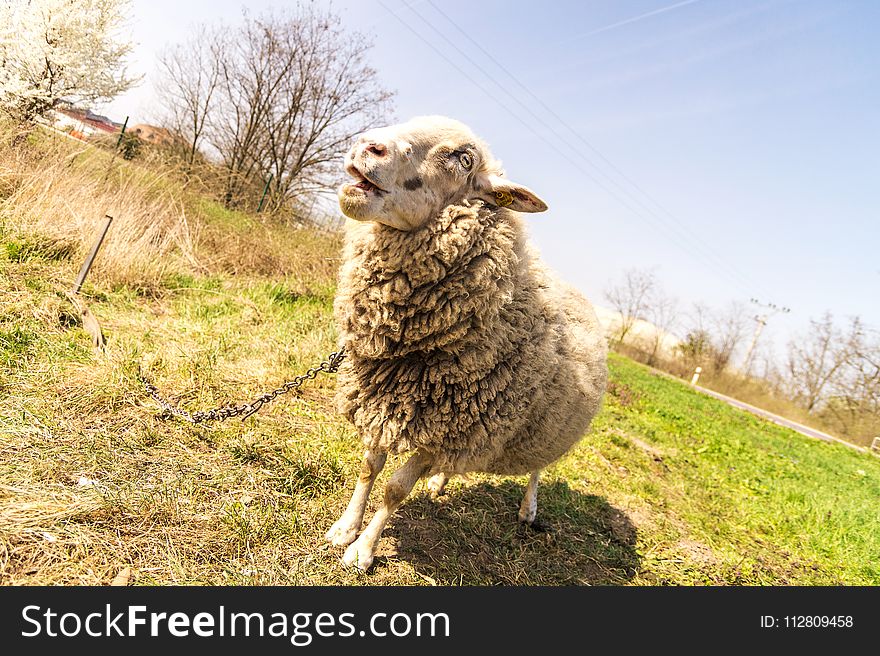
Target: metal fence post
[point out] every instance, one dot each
(121, 132)
(265, 191)
(84, 271)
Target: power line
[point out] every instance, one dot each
(507, 109)
(740, 278)
(703, 252)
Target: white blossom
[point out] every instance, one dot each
(61, 49)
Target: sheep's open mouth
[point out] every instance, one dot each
(364, 183)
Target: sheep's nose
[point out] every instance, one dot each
(376, 149)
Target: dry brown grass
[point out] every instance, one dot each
(61, 190)
(234, 243)
(55, 192)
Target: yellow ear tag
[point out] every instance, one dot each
(503, 198)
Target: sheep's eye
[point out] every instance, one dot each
(466, 160)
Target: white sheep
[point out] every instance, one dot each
(461, 346)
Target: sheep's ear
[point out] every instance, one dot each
(504, 193)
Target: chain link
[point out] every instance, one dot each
(245, 410)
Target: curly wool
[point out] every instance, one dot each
(460, 343)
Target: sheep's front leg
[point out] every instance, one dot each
(345, 529)
(361, 551)
(529, 506)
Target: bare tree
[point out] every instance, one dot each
(853, 403)
(817, 362)
(868, 374)
(766, 366)
(189, 77)
(331, 95)
(288, 93)
(663, 313)
(699, 317)
(631, 299)
(249, 83)
(729, 327)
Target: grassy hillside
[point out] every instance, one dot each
(670, 487)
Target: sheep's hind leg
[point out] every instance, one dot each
(437, 484)
(529, 506)
(344, 531)
(361, 551)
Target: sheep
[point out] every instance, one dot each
(462, 347)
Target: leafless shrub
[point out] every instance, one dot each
(189, 77)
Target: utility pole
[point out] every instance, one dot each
(768, 310)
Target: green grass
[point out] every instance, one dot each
(764, 504)
(670, 487)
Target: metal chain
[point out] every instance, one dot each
(330, 366)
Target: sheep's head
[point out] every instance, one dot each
(406, 174)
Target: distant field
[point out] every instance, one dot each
(670, 486)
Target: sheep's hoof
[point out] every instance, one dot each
(527, 516)
(357, 556)
(537, 525)
(436, 494)
(341, 534)
(437, 485)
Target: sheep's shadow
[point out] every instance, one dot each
(472, 537)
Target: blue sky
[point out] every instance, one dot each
(731, 147)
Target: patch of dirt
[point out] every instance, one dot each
(696, 552)
(641, 518)
(621, 527)
(651, 450)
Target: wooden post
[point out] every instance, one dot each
(696, 376)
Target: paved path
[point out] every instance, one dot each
(782, 421)
(776, 419)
